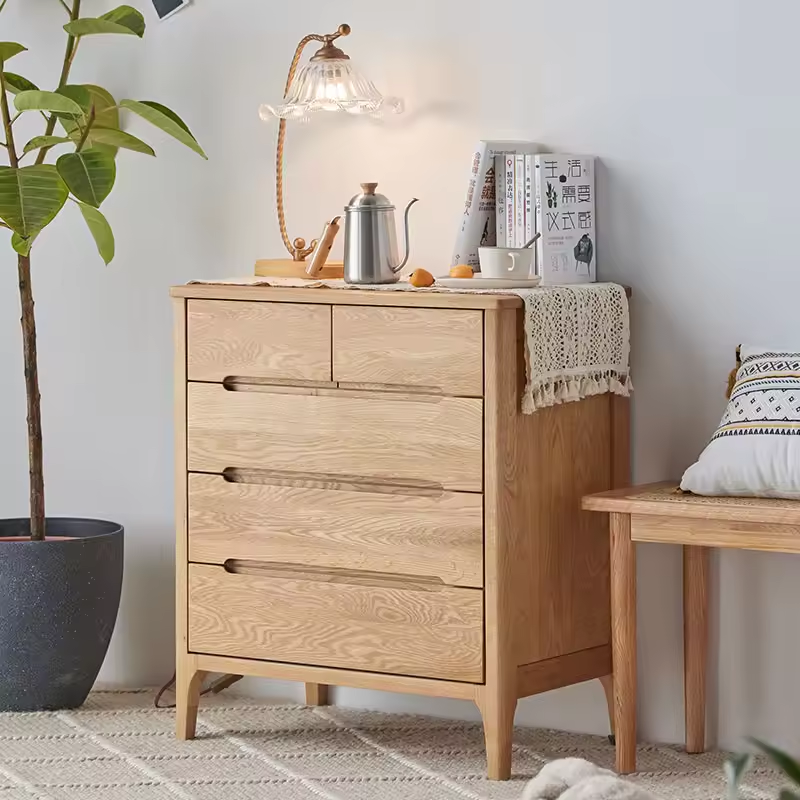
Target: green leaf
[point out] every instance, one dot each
(16, 83)
(101, 230)
(79, 95)
(787, 795)
(124, 20)
(119, 138)
(44, 141)
(47, 101)
(31, 197)
(735, 768)
(22, 244)
(129, 17)
(166, 120)
(106, 116)
(89, 174)
(784, 761)
(10, 49)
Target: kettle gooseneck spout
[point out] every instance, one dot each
(408, 243)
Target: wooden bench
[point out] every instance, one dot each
(661, 513)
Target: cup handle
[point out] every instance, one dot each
(513, 257)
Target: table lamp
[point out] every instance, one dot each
(328, 82)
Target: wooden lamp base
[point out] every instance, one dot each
(287, 268)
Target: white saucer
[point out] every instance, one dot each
(488, 283)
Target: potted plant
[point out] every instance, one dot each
(61, 578)
(736, 768)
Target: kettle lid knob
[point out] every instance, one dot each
(369, 188)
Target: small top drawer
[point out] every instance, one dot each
(239, 339)
(430, 348)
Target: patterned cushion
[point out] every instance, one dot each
(755, 451)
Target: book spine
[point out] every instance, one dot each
(500, 195)
(519, 201)
(538, 215)
(530, 223)
(510, 194)
(470, 225)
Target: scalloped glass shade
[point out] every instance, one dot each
(331, 85)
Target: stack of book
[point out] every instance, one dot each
(514, 191)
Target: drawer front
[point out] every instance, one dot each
(432, 633)
(438, 535)
(436, 349)
(436, 441)
(279, 341)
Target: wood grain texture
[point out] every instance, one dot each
(349, 297)
(663, 499)
(607, 682)
(432, 634)
(695, 644)
(439, 349)
(188, 685)
(370, 435)
(228, 339)
(553, 673)
(620, 441)
(337, 677)
(436, 534)
(769, 536)
(561, 562)
(498, 699)
(317, 694)
(623, 621)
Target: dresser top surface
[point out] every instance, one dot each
(350, 297)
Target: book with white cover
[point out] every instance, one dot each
(519, 201)
(565, 215)
(478, 224)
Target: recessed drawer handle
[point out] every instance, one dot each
(353, 577)
(323, 480)
(245, 383)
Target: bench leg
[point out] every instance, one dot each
(607, 682)
(623, 639)
(695, 644)
(316, 694)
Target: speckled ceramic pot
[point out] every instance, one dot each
(59, 604)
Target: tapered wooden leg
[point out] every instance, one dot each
(695, 644)
(316, 694)
(497, 709)
(608, 687)
(188, 684)
(623, 639)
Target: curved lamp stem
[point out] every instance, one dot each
(297, 248)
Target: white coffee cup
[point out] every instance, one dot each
(506, 262)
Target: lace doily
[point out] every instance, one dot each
(577, 338)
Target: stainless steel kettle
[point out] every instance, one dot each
(370, 239)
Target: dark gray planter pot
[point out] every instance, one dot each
(57, 613)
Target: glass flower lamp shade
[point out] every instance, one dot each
(328, 82)
(331, 85)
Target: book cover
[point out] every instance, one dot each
(509, 182)
(519, 200)
(478, 224)
(565, 215)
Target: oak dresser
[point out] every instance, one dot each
(360, 501)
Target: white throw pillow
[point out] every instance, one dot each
(755, 451)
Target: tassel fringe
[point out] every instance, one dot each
(570, 390)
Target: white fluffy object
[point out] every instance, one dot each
(578, 779)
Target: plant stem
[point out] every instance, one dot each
(85, 134)
(35, 455)
(28, 320)
(68, 56)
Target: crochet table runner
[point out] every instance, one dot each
(577, 337)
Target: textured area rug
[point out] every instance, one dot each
(119, 748)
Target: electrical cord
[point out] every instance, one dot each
(215, 687)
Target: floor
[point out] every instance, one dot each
(118, 746)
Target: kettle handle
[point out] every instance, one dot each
(408, 245)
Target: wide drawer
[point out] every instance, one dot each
(434, 349)
(428, 632)
(279, 341)
(419, 440)
(435, 535)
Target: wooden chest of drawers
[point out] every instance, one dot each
(361, 503)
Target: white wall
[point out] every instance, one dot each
(692, 107)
